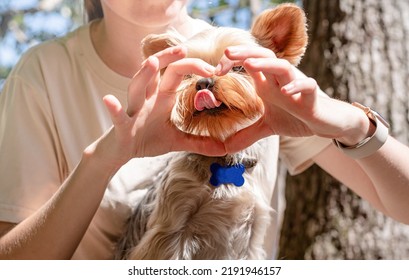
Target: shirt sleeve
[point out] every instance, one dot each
(31, 161)
(297, 152)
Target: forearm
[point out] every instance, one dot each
(381, 178)
(387, 169)
(56, 229)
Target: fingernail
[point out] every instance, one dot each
(177, 50)
(288, 87)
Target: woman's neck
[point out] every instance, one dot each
(118, 42)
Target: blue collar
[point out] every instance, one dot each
(231, 174)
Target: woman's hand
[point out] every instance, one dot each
(294, 105)
(143, 129)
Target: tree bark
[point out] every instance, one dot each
(359, 51)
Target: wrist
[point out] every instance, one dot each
(99, 162)
(360, 128)
(103, 155)
(374, 140)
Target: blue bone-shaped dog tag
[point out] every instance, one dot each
(227, 174)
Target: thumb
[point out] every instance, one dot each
(116, 111)
(198, 144)
(247, 136)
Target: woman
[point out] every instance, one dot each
(68, 175)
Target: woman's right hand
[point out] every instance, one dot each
(144, 129)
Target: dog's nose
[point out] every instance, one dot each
(204, 83)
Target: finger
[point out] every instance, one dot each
(247, 136)
(235, 56)
(116, 112)
(273, 68)
(265, 86)
(225, 65)
(165, 57)
(176, 71)
(306, 86)
(169, 55)
(137, 89)
(304, 91)
(243, 52)
(198, 144)
(145, 82)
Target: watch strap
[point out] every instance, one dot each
(371, 144)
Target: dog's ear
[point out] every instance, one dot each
(154, 43)
(283, 30)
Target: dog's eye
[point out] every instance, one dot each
(188, 76)
(238, 69)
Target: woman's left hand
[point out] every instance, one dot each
(294, 104)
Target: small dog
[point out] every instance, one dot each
(202, 207)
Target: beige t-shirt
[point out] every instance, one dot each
(51, 109)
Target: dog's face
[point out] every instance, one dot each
(222, 105)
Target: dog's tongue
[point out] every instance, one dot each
(205, 99)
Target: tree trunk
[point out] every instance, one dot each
(359, 51)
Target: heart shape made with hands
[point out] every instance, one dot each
(219, 106)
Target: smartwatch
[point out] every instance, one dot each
(371, 144)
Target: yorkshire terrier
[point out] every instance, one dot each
(203, 207)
